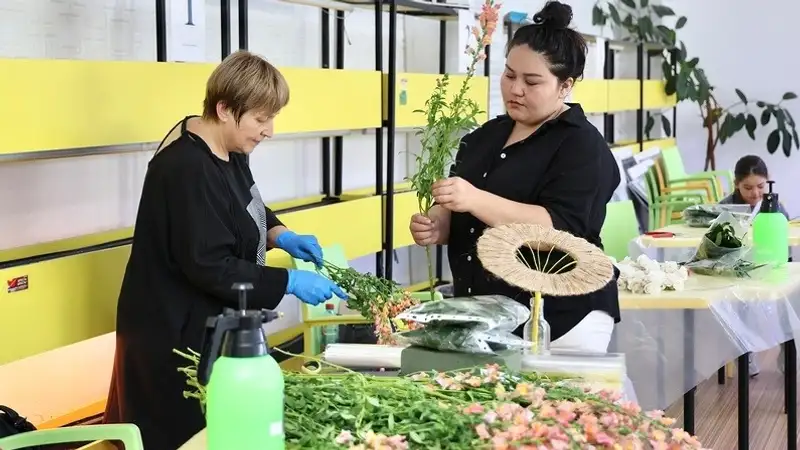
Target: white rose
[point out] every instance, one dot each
(670, 267)
(652, 288)
(684, 272)
(643, 260)
(636, 286)
(655, 277)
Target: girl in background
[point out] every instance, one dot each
(750, 183)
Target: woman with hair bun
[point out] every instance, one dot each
(542, 162)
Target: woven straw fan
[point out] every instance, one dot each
(500, 252)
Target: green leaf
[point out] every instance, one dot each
(739, 122)
(751, 126)
(614, 13)
(648, 127)
(629, 4)
(760, 104)
(765, 116)
(796, 138)
(661, 10)
(773, 140)
(645, 25)
(416, 437)
(741, 96)
(726, 128)
(644, 3)
(680, 23)
(667, 35)
(692, 63)
(789, 96)
(682, 54)
(666, 125)
(787, 143)
(598, 16)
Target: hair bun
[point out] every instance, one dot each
(554, 15)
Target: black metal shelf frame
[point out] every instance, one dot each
(644, 56)
(417, 9)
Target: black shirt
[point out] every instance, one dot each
(566, 167)
(201, 226)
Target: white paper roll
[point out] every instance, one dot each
(364, 355)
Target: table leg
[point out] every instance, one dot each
(790, 393)
(688, 374)
(743, 375)
(721, 375)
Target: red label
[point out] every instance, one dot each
(17, 284)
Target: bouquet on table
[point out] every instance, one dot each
(722, 251)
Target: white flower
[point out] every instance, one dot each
(655, 277)
(653, 288)
(637, 286)
(678, 285)
(669, 267)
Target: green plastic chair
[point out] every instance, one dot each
(127, 433)
(621, 226)
(675, 174)
(665, 208)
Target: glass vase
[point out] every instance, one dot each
(540, 338)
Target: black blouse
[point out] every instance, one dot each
(566, 167)
(200, 228)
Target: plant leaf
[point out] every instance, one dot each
(666, 125)
(629, 4)
(789, 96)
(661, 10)
(648, 127)
(741, 96)
(751, 126)
(787, 143)
(680, 23)
(612, 10)
(765, 116)
(598, 16)
(644, 3)
(773, 140)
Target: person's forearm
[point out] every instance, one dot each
(442, 217)
(272, 235)
(494, 211)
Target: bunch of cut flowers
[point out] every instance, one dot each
(647, 276)
(377, 299)
(478, 408)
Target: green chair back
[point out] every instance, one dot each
(620, 227)
(127, 433)
(672, 161)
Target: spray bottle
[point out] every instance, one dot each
(770, 232)
(245, 393)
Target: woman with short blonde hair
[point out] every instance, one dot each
(201, 227)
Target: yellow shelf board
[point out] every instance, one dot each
(623, 95)
(64, 245)
(107, 103)
(592, 94)
(73, 298)
(356, 225)
(354, 194)
(405, 205)
(655, 97)
(414, 89)
(296, 203)
(647, 145)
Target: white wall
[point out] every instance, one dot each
(753, 49)
(54, 199)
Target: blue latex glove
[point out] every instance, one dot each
(311, 287)
(303, 247)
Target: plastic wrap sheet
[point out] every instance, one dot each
(679, 248)
(606, 370)
(675, 340)
(357, 356)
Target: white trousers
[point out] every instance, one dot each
(592, 334)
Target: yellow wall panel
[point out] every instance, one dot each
(655, 97)
(623, 95)
(414, 89)
(592, 95)
(405, 205)
(102, 103)
(356, 225)
(67, 300)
